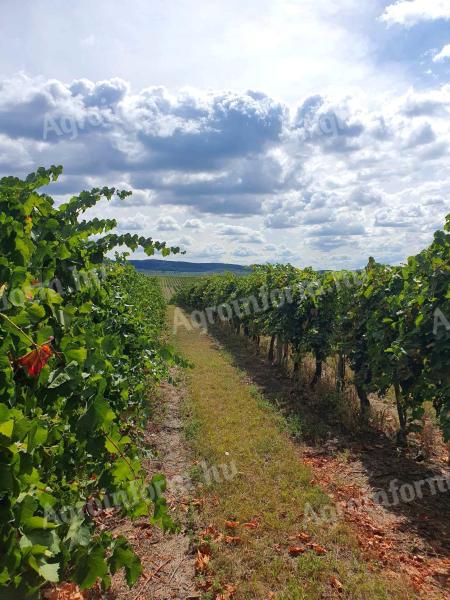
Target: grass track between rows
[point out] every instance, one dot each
(227, 420)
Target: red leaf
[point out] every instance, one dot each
(35, 361)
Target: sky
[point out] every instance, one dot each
(314, 132)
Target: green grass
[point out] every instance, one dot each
(228, 420)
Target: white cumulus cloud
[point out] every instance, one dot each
(443, 54)
(167, 224)
(411, 12)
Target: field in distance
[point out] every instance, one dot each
(175, 274)
(181, 267)
(172, 283)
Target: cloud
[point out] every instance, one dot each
(195, 133)
(106, 93)
(230, 205)
(51, 110)
(443, 54)
(365, 197)
(137, 222)
(188, 132)
(88, 41)
(411, 12)
(328, 244)
(211, 252)
(283, 211)
(194, 224)
(243, 252)
(317, 216)
(399, 218)
(238, 232)
(281, 220)
(237, 188)
(183, 242)
(321, 122)
(138, 197)
(435, 151)
(167, 224)
(431, 103)
(339, 228)
(424, 134)
(14, 156)
(280, 253)
(323, 174)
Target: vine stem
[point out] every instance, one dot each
(18, 329)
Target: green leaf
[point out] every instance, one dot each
(37, 436)
(36, 312)
(78, 533)
(419, 319)
(17, 298)
(78, 355)
(58, 380)
(44, 334)
(123, 556)
(39, 523)
(50, 571)
(6, 428)
(40, 542)
(91, 567)
(85, 308)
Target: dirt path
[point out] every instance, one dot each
(167, 559)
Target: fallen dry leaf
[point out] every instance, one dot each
(303, 536)
(231, 524)
(204, 548)
(227, 593)
(211, 532)
(201, 562)
(205, 584)
(253, 524)
(317, 549)
(296, 550)
(232, 539)
(336, 584)
(65, 591)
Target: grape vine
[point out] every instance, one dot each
(80, 344)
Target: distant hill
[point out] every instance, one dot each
(154, 265)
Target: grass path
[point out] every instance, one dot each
(229, 423)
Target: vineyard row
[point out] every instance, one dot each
(78, 356)
(389, 324)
